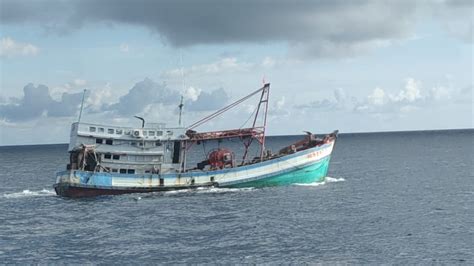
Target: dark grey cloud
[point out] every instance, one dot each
(312, 28)
(456, 17)
(142, 94)
(208, 101)
(36, 102)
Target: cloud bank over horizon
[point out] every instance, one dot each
(38, 102)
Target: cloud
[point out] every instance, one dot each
(223, 65)
(411, 97)
(11, 48)
(310, 28)
(124, 48)
(207, 101)
(455, 17)
(142, 94)
(338, 102)
(37, 102)
(191, 93)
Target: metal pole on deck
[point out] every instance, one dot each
(82, 106)
(180, 110)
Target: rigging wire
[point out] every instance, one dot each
(250, 117)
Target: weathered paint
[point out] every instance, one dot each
(306, 166)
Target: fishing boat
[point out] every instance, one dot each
(109, 160)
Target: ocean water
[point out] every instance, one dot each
(400, 198)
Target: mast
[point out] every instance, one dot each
(264, 97)
(82, 106)
(257, 130)
(180, 110)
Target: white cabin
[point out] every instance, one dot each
(153, 149)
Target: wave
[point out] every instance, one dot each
(328, 179)
(203, 190)
(29, 193)
(333, 179)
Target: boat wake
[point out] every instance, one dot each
(194, 191)
(28, 193)
(328, 179)
(333, 179)
(205, 190)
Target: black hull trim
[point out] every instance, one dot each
(79, 191)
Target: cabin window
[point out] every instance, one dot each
(110, 131)
(145, 133)
(158, 144)
(114, 170)
(109, 141)
(140, 144)
(147, 171)
(92, 129)
(127, 132)
(159, 133)
(118, 132)
(169, 132)
(157, 158)
(151, 133)
(107, 169)
(132, 158)
(123, 171)
(140, 158)
(99, 141)
(107, 156)
(101, 130)
(133, 143)
(162, 182)
(131, 171)
(116, 157)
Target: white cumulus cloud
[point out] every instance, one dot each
(11, 48)
(124, 48)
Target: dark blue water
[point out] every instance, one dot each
(399, 198)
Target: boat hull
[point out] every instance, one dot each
(306, 166)
(309, 174)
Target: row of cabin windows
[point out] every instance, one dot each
(121, 170)
(107, 141)
(134, 158)
(133, 143)
(140, 143)
(150, 133)
(110, 156)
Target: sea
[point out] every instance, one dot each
(389, 198)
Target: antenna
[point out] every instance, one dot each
(181, 105)
(141, 118)
(180, 110)
(82, 106)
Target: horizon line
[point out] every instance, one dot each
(340, 133)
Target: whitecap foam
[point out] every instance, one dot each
(29, 193)
(328, 179)
(314, 184)
(204, 190)
(223, 190)
(334, 179)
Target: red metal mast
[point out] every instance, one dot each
(256, 131)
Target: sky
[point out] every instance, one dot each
(356, 66)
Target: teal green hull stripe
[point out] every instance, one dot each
(308, 174)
